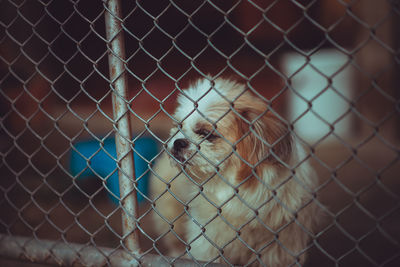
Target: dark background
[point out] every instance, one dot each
(54, 92)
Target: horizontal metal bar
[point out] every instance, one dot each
(71, 254)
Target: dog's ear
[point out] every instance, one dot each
(264, 139)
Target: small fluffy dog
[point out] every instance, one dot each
(239, 189)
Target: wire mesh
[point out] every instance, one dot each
(326, 68)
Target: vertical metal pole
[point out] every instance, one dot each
(116, 57)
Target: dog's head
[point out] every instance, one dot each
(222, 126)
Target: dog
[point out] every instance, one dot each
(234, 184)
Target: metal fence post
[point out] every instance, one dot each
(118, 80)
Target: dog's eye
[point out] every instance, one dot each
(206, 134)
(203, 132)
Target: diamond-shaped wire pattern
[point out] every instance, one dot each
(327, 69)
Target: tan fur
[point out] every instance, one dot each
(258, 212)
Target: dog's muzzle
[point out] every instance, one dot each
(178, 149)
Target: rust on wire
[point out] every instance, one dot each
(123, 137)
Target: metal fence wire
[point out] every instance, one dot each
(88, 91)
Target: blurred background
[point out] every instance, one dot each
(328, 67)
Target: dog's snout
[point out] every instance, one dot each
(181, 144)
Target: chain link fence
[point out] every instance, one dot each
(87, 93)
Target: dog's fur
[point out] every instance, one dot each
(239, 188)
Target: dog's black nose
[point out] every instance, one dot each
(181, 144)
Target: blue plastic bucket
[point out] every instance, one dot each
(90, 159)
